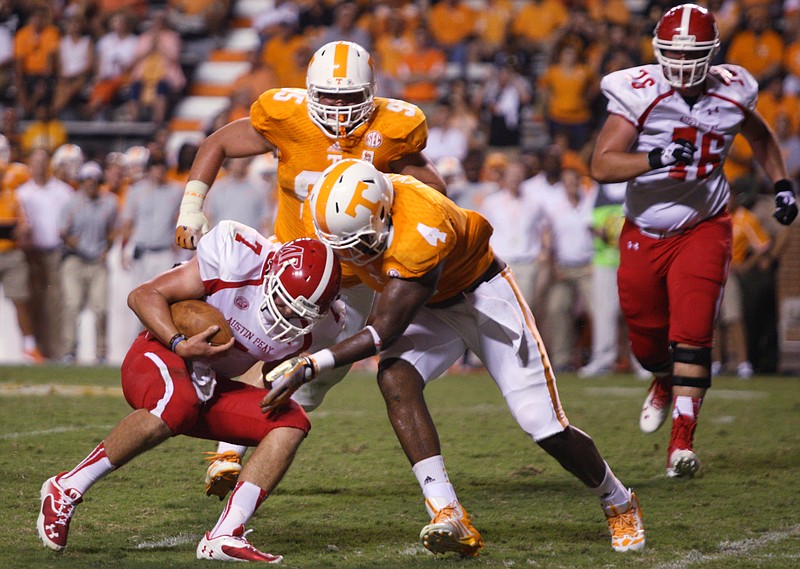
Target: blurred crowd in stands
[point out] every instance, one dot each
(510, 89)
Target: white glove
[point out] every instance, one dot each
(785, 202)
(285, 379)
(681, 150)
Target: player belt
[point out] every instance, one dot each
(653, 234)
(494, 269)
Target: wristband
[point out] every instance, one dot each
(654, 158)
(175, 340)
(375, 338)
(784, 185)
(196, 188)
(322, 360)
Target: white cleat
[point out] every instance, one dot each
(683, 463)
(656, 407)
(233, 548)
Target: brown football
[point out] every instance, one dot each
(193, 316)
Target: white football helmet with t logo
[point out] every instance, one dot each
(350, 205)
(340, 69)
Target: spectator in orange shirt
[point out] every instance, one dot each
(157, 76)
(791, 57)
(750, 243)
(422, 70)
(35, 53)
(757, 47)
(258, 78)
(390, 48)
(287, 52)
(180, 171)
(773, 101)
(452, 26)
(537, 24)
(492, 26)
(568, 88)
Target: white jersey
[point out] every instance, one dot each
(233, 260)
(678, 197)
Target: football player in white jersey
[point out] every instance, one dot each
(669, 130)
(272, 296)
(338, 116)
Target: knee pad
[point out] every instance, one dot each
(694, 356)
(658, 369)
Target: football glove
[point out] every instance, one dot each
(285, 379)
(680, 151)
(785, 202)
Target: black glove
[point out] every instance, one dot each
(785, 202)
(680, 150)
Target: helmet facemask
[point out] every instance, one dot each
(685, 40)
(285, 329)
(301, 283)
(689, 71)
(340, 72)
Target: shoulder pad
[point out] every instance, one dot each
(630, 92)
(735, 83)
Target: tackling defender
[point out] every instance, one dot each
(442, 291)
(668, 133)
(338, 116)
(273, 296)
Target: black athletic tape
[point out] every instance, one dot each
(699, 382)
(695, 356)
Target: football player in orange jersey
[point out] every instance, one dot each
(337, 117)
(442, 291)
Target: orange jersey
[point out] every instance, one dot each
(428, 229)
(395, 129)
(10, 212)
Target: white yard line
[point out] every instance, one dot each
(21, 389)
(168, 542)
(727, 394)
(733, 549)
(53, 431)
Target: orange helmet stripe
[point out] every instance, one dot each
(340, 56)
(325, 193)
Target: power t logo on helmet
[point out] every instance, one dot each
(350, 208)
(341, 88)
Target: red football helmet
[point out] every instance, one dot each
(303, 275)
(685, 40)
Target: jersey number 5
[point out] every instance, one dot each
(710, 145)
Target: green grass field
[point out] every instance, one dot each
(351, 500)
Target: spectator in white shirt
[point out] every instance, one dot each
(570, 242)
(43, 198)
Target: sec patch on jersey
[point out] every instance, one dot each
(194, 316)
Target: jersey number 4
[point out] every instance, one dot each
(710, 146)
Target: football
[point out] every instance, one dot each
(193, 316)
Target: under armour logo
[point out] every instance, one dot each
(633, 245)
(51, 530)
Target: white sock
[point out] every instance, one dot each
(612, 493)
(687, 406)
(435, 484)
(242, 504)
(28, 343)
(238, 449)
(93, 468)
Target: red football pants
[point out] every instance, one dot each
(156, 379)
(670, 289)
